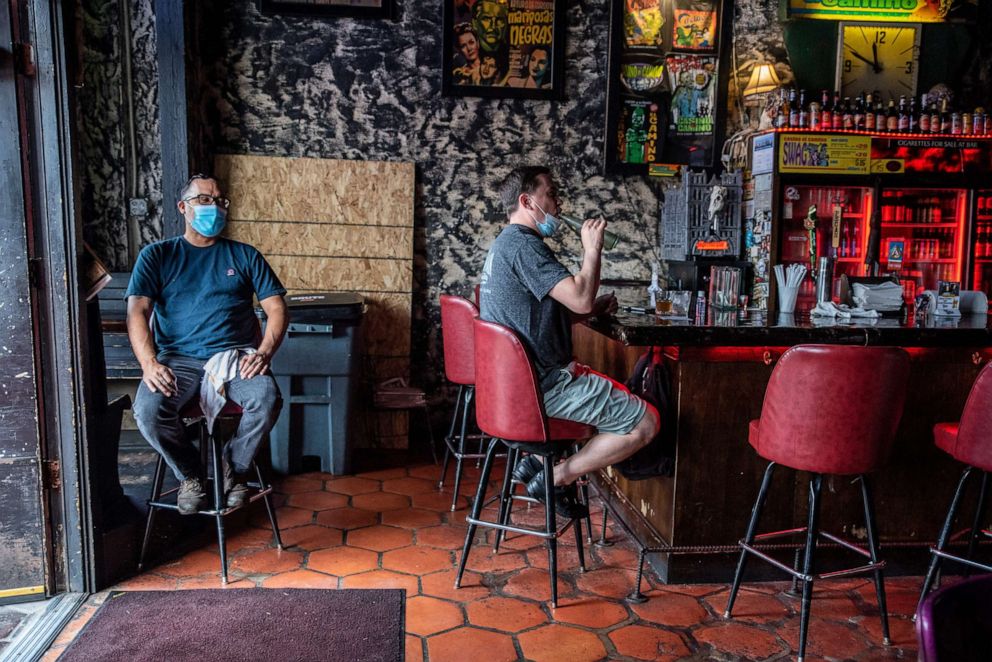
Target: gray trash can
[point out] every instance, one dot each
(316, 369)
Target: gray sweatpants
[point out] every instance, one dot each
(158, 417)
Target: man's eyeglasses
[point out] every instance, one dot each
(204, 199)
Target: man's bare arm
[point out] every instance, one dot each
(277, 321)
(156, 376)
(578, 292)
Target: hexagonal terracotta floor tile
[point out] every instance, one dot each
(505, 614)
(648, 643)
(671, 609)
(352, 485)
(347, 518)
(301, 579)
(426, 471)
(383, 474)
(738, 640)
(568, 558)
(343, 561)
(152, 582)
(287, 517)
(468, 643)
(267, 561)
(414, 648)
(417, 560)
(411, 518)
(607, 582)
(190, 565)
(317, 500)
(843, 641)
(297, 484)
(238, 539)
(409, 486)
(439, 501)
(482, 559)
(442, 585)
(380, 501)
(212, 580)
(380, 538)
(425, 616)
(750, 606)
(591, 612)
(535, 584)
(447, 536)
(311, 537)
(561, 642)
(383, 579)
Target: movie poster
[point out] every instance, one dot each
(638, 131)
(643, 23)
(693, 80)
(503, 44)
(694, 25)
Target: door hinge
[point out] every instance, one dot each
(24, 59)
(53, 474)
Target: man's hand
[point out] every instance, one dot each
(605, 304)
(158, 377)
(255, 364)
(592, 235)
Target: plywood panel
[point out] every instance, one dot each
(342, 274)
(318, 190)
(324, 240)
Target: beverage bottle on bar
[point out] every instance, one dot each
(859, 112)
(880, 125)
(610, 239)
(869, 112)
(902, 118)
(857, 239)
(934, 116)
(891, 117)
(913, 122)
(847, 117)
(924, 121)
(803, 111)
(813, 116)
(793, 110)
(956, 124)
(783, 110)
(945, 117)
(826, 112)
(967, 124)
(837, 118)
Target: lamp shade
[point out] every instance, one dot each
(763, 79)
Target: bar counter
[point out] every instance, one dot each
(719, 371)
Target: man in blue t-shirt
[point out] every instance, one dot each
(524, 287)
(200, 287)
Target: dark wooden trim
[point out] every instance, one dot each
(170, 32)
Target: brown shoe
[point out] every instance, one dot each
(191, 497)
(236, 489)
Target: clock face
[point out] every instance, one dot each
(878, 56)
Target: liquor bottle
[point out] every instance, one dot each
(891, 117)
(869, 111)
(859, 112)
(857, 239)
(880, 125)
(793, 110)
(957, 126)
(945, 117)
(934, 116)
(924, 121)
(813, 116)
(837, 121)
(803, 119)
(826, 111)
(847, 117)
(914, 126)
(845, 242)
(902, 118)
(782, 119)
(967, 124)
(610, 239)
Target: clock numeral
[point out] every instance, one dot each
(847, 66)
(909, 66)
(880, 37)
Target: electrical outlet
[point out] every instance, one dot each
(138, 207)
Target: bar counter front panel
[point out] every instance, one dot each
(719, 372)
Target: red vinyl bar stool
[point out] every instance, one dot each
(459, 367)
(209, 442)
(510, 409)
(970, 442)
(828, 409)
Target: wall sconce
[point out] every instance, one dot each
(763, 79)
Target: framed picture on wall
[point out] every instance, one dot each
(350, 8)
(504, 48)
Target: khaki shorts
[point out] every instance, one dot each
(581, 394)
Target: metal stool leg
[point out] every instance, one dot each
(578, 545)
(603, 542)
(469, 392)
(749, 537)
(480, 496)
(150, 521)
(504, 497)
(812, 530)
(873, 550)
(267, 498)
(551, 525)
(945, 533)
(219, 504)
(976, 526)
(451, 435)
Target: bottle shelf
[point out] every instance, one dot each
(936, 260)
(849, 259)
(936, 226)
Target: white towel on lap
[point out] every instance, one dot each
(218, 371)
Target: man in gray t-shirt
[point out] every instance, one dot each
(524, 287)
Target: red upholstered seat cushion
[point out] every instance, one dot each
(559, 428)
(752, 432)
(192, 410)
(945, 436)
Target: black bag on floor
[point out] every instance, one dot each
(650, 381)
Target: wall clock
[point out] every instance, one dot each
(878, 56)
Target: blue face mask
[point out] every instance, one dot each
(208, 220)
(549, 226)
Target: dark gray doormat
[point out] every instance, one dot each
(245, 624)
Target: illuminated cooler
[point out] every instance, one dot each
(913, 204)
